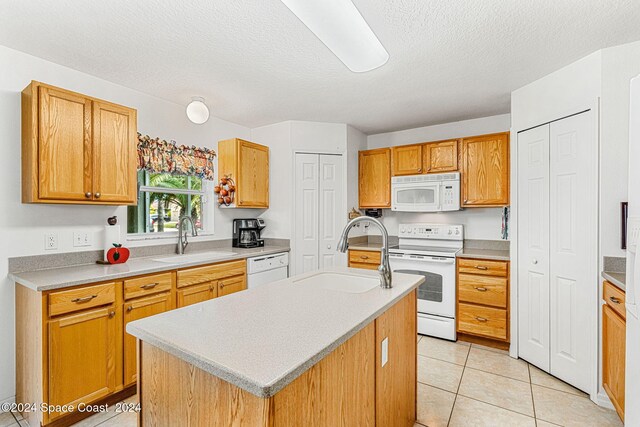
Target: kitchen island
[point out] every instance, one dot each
(323, 348)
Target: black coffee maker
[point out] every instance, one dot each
(246, 233)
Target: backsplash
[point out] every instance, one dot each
(615, 264)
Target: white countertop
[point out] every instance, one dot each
(262, 339)
(57, 278)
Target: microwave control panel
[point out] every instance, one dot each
(431, 231)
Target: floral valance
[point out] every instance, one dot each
(160, 156)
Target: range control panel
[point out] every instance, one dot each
(431, 231)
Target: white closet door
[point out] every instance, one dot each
(533, 246)
(573, 227)
(306, 217)
(331, 188)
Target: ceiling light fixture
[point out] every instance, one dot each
(341, 27)
(197, 110)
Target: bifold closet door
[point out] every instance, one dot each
(533, 246)
(557, 248)
(319, 189)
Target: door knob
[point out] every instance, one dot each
(535, 261)
(328, 246)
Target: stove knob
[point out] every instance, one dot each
(450, 232)
(457, 231)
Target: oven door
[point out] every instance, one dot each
(437, 295)
(416, 197)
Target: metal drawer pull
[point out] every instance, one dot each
(149, 285)
(481, 319)
(84, 299)
(614, 300)
(481, 267)
(130, 308)
(221, 285)
(481, 289)
(111, 314)
(364, 257)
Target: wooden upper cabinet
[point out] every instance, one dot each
(485, 170)
(248, 165)
(439, 157)
(374, 178)
(76, 149)
(115, 154)
(406, 160)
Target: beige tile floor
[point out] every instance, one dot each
(464, 385)
(461, 384)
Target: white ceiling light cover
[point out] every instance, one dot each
(341, 27)
(197, 110)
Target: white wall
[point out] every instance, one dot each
(480, 223)
(22, 226)
(356, 141)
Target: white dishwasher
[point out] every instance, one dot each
(267, 268)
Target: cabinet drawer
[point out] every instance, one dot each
(363, 265)
(483, 267)
(80, 298)
(485, 321)
(231, 285)
(615, 298)
(364, 257)
(484, 290)
(193, 276)
(147, 285)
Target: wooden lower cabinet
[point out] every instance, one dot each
(369, 260)
(71, 344)
(483, 301)
(614, 347)
(139, 309)
(349, 387)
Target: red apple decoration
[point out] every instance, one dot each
(117, 254)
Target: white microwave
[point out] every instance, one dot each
(426, 193)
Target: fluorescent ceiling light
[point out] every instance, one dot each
(339, 25)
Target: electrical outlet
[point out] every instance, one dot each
(81, 238)
(50, 241)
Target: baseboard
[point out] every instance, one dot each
(603, 400)
(11, 399)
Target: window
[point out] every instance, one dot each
(163, 198)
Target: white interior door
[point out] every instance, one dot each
(533, 246)
(306, 217)
(573, 227)
(319, 190)
(331, 187)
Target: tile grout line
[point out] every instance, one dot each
(533, 401)
(455, 399)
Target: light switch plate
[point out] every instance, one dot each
(385, 351)
(81, 238)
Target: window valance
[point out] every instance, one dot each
(160, 156)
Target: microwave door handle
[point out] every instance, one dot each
(437, 196)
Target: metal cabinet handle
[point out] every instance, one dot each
(130, 308)
(614, 300)
(481, 267)
(481, 289)
(111, 314)
(211, 287)
(481, 319)
(87, 194)
(364, 257)
(419, 169)
(84, 299)
(149, 285)
(97, 196)
(221, 285)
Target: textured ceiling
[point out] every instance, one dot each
(256, 63)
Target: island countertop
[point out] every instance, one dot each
(262, 339)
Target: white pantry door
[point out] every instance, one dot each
(573, 231)
(533, 246)
(557, 248)
(319, 190)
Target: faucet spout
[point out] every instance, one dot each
(384, 269)
(182, 233)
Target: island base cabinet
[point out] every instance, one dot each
(354, 385)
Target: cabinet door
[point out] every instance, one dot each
(64, 145)
(485, 178)
(231, 285)
(374, 178)
(134, 310)
(114, 153)
(197, 293)
(613, 357)
(407, 160)
(253, 175)
(440, 157)
(82, 353)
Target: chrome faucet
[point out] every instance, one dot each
(182, 233)
(383, 269)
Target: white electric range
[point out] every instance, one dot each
(430, 250)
